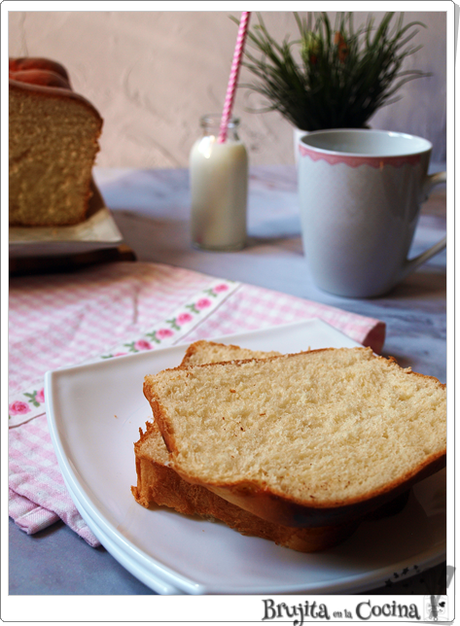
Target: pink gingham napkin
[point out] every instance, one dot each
(99, 313)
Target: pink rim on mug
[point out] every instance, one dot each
(333, 157)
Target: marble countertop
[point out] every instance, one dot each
(151, 209)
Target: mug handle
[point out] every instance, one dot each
(412, 264)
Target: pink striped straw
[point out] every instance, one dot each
(235, 70)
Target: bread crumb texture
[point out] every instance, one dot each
(324, 426)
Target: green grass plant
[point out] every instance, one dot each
(331, 76)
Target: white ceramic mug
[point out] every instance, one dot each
(360, 193)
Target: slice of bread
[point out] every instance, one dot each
(313, 439)
(202, 352)
(158, 484)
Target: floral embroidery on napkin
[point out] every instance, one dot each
(36, 398)
(180, 323)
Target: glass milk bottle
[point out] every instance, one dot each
(219, 184)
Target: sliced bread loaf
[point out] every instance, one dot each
(53, 142)
(313, 439)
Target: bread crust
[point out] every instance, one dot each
(282, 509)
(22, 64)
(60, 93)
(202, 345)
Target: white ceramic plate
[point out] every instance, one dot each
(94, 414)
(97, 231)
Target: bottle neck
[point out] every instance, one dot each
(210, 125)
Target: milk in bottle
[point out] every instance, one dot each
(219, 186)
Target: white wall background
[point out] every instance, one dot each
(153, 74)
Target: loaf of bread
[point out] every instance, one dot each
(53, 142)
(159, 484)
(308, 440)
